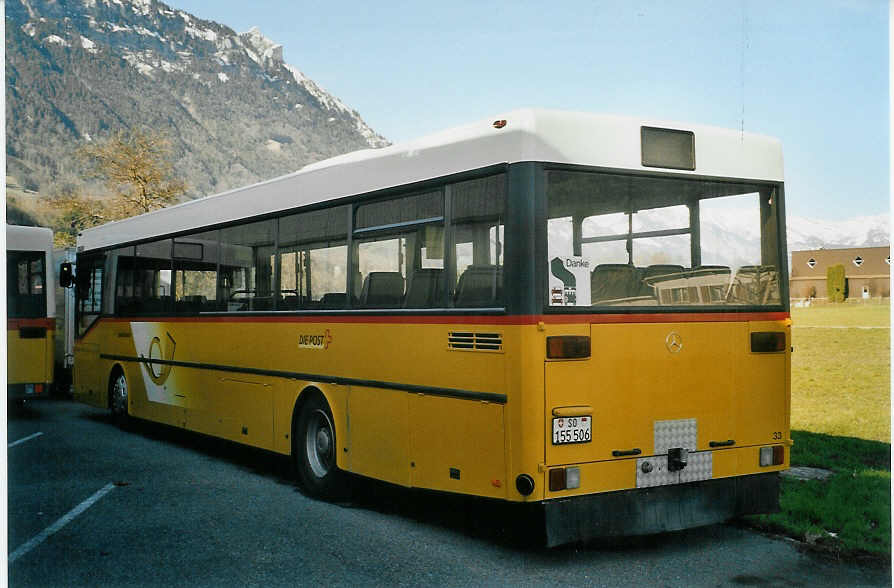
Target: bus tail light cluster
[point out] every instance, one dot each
(564, 479)
(568, 347)
(33, 389)
(773, 455)
(768, 342)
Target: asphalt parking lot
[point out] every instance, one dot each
(90, 504)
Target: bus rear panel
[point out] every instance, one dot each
(30, 324)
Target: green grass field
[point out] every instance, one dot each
(841, 421)
(841, 377)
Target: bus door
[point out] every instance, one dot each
(89, 380)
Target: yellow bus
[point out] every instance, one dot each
(585, 313)
(30, 312)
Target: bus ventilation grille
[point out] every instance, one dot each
(475, 341)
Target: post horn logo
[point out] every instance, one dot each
(673, 342)
(159, 350)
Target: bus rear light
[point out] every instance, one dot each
(556, 479)
(771, 456)
(770, 342)
(564, 479)
(568, 347)
(38, 388)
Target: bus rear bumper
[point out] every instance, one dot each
(28, 391)
(655, 510)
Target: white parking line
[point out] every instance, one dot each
(28, 438)
(70, 516)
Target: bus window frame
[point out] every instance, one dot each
(541, 261)
(303, 246)
(443, 183)
(388, 231)
(29, 255)
(80, 294)
(303, 288)
(180, 263)
(510, 229)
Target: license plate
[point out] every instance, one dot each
(572, 430)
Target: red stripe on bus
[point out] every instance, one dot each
(666, 317)
(473, 319)
(14, 324)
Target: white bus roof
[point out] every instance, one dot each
(528, 135)
(20, 238)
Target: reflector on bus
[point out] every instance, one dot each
(669, 148)
(568, 347)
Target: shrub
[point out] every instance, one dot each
(836, 283)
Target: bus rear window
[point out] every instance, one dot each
(636, 241)
(25, 292)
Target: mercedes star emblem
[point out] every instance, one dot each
(674, 342)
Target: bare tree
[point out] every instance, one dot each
(76, 213)
(136, 166)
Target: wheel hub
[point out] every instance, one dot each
(119, 395)
(319, 444)
(323, 441)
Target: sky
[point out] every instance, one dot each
(814, 74)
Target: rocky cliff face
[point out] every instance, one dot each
(234, 111)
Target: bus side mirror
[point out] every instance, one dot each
(66, 275)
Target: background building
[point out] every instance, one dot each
(866, 269)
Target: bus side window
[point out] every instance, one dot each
(152, 278)
(123, 261)
(247, 260)
(195, 273)
(478, 235)
(398, 242)
(313, 259)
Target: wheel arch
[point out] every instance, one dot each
(335, 398)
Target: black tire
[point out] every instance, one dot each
(314, 450)
(118, 398)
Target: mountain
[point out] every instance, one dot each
(234, 111)
(737, 241)
(863, 231)
(737, 235)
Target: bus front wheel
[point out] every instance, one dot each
(314, 450)
(118, 398)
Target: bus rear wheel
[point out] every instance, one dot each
(314, 450)
(118, 398)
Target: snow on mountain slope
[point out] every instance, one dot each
(862, 231)
(235, 112)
